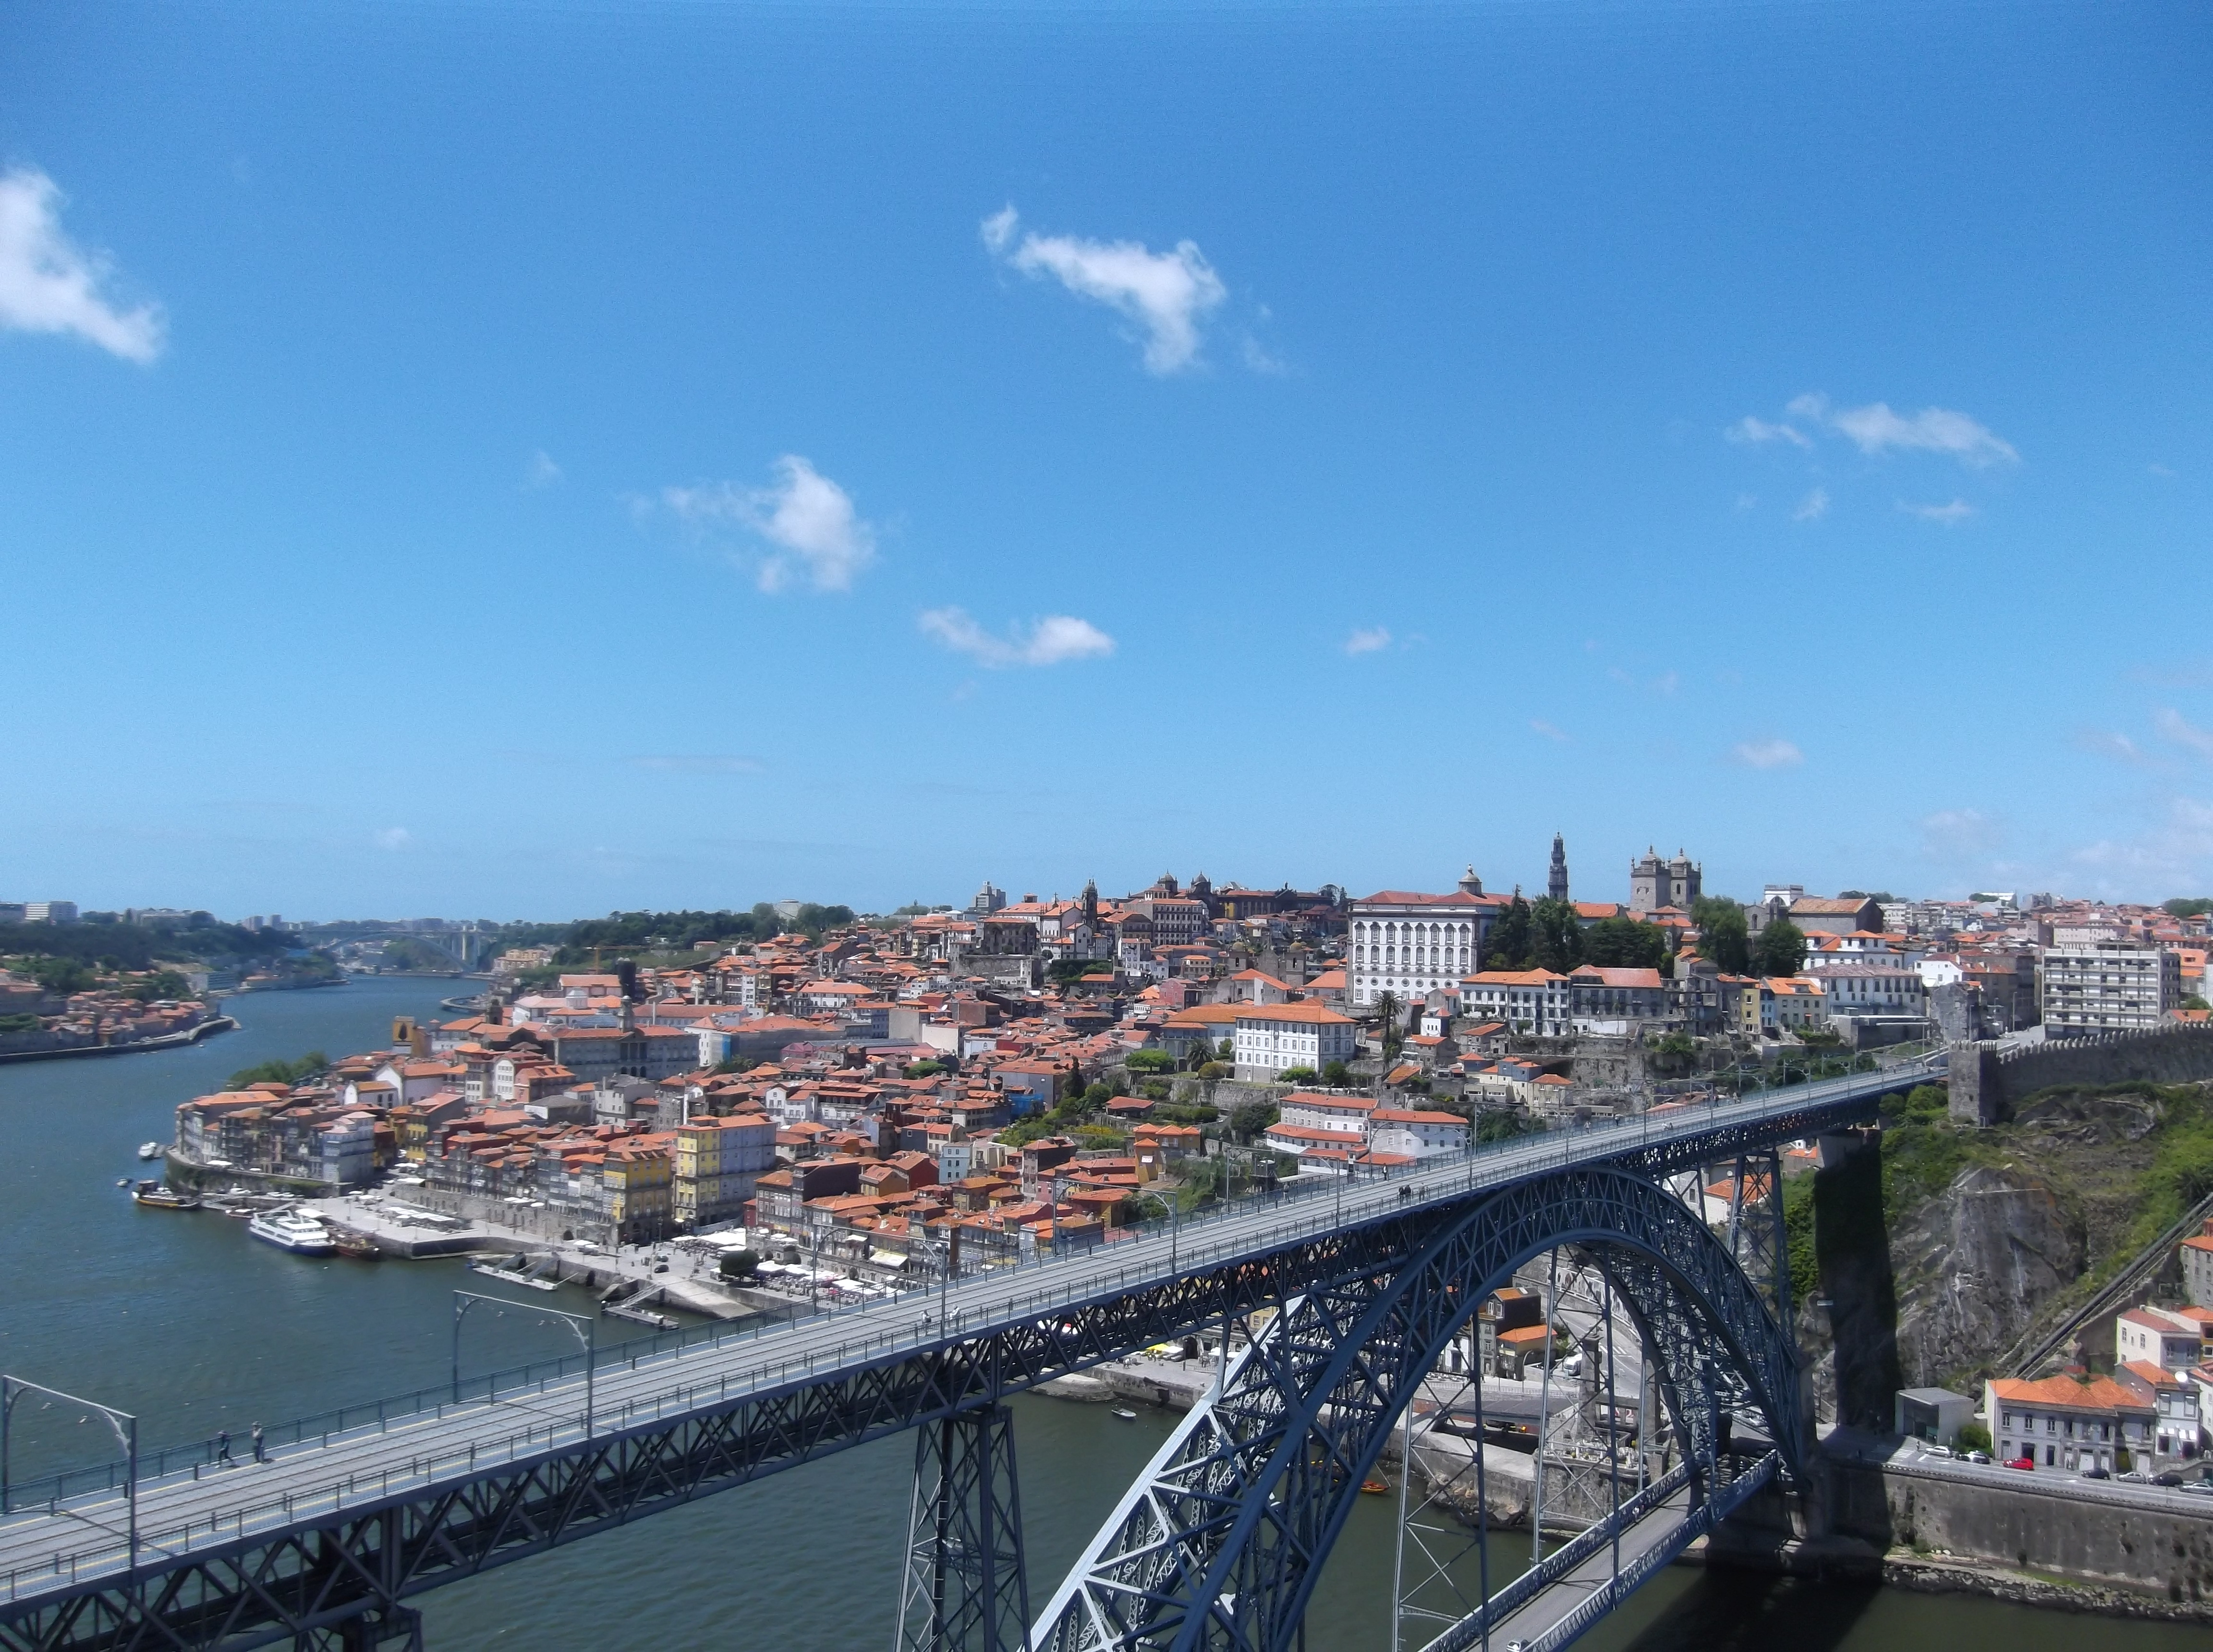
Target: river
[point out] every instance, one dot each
(183, 1319)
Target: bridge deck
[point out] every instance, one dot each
(65, 1547)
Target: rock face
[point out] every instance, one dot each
(1976, 1266)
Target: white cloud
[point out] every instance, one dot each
(1756, 430)
(1051, 641)
(2176, 728)
(704, 762)
(2178, 849)
(540, 472)
(395, 837)
(1537, 725)
(48, 283)
(1958, 511)
(1813, 507)
(1767, 754)
(1874, 429)
(1746, 501)
(1166, 295)
(808, 517)
(2107, 742)
(1368, 640)
(1953, 833)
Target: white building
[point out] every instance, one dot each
(2174, 1342)
(1868, 991)
(1271, 1039)
(1410, 944)
(1415, 1134)
(2108, 986)
(1527, 1000)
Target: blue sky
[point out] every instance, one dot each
(535, 460)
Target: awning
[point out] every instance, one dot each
(888, 1258)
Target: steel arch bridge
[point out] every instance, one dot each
(1347, 1295)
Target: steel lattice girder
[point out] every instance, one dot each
(1223, 1546)
(966, 1590)
(274, 1587)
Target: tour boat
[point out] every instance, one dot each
(293, 1230)
(149, 1149)
(154, 1197)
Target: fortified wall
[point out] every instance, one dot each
(1986, 1081)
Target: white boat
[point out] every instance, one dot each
(149, 1149)
(294, 1230)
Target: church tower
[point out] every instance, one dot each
(1556, 884)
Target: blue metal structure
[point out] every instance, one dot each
(1359, 1288)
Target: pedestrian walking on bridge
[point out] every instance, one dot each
(222, 1447)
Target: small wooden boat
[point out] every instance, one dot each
(357, 1246)
(154, 1197)
(1375, 1488)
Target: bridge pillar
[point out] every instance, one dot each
(374, 1631)
(964, 1588)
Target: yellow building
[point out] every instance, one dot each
(638, 1179)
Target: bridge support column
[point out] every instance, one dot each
(377, 1630)
(964, 1588)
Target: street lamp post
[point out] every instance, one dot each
(584, 1330)
(13, 1388)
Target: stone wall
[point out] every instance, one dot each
(1986, 1083)
(2036, 1524)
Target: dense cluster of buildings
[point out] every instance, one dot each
(36, 1021)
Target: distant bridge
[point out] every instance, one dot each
(1348, 1292)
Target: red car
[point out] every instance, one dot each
(2025, 1464)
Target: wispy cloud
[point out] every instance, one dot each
(1876, 429)
(1166, 295)
(1539, 726)
(395, 837)
(1767, 754)
(809, 520)
(2160, 470)
(1958, 511)
(1368, 640)
(2178, 846)
(541, 471)
(2184, 733)
(1956, 833)
(697, 763)
(1755, 430)
(48, 283)
(2108, 742)
(1052, 641)
(1813, 507)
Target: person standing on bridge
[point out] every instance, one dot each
(223, 1447)
(259, 1455)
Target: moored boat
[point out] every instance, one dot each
(149, 1149)
(358, 1245)
(154, 1197)
(293, 1230)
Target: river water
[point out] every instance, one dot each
(184, 1321)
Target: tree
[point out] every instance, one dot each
(2189, 906)
(61, 975)
(1336, 1075)
(2191, 1001)
(1150, 1061)
(1249, 1120)
(738, 1264)
(1724, 938)
(1625, 943)
(923, 1069)
(1298, 1076)
(1556, 937)
(1780, 949)
(1507, 947)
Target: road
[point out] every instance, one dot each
(87, 1537)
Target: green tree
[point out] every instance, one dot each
(1508, 946)
(738, 1264)
(1298, 1076)
(1780, 949)
(1556, 938)
(1250, 1120)
(1503, 1124)
(1336, 1075)
(1625, 943)
(1723, 939)
(2189, 906)
(923, 1069)
(280, 1071)
(1150, 1061)
(1388, 1010)
(62, 975)
(1974, 1437)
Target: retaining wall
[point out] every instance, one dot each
(1986, 1081)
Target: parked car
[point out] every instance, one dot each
(2166, 1477)
(2025, 1465)
(1945, 1452)
(2097, 1474)
(1979, 1457)
(2130, 1474)
(2203, 1488)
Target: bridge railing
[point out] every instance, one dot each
(1201, 1242)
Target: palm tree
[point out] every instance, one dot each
(1387, 1006)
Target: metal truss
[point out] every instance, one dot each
(1220, 1547)
(1354, 1315)
(965, 1589)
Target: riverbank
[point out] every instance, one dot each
(132, 1047)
